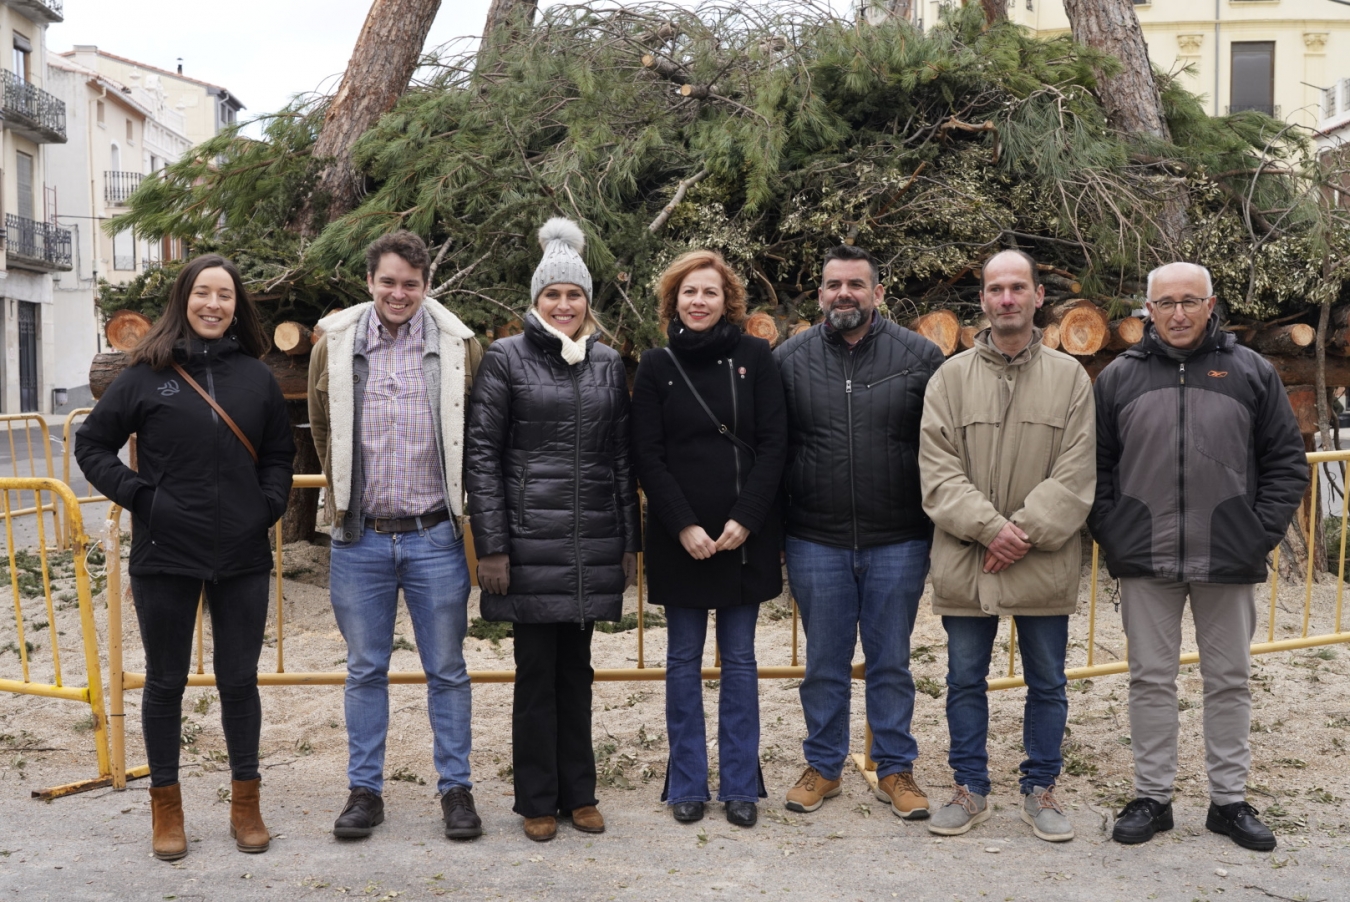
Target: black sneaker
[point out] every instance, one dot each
(1140, 820)
(461, 819)
(687, 812)
(1238, 820)
(363, 812)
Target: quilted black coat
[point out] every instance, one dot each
(550, 480)
(853, 431)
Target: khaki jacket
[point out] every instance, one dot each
(1007, 440)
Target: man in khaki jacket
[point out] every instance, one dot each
(1007, 458)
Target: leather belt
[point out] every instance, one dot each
(407, 524)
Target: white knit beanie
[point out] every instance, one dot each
(562, 242)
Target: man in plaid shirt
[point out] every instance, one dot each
(388, 385)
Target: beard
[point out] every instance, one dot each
(846, 320)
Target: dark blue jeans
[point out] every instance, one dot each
(970, 645)
(841, 593)
(737, 706)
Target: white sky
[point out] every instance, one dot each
(264, 51)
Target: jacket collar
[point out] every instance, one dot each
(984, 346)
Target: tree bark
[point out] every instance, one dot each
(385, 58)
(1293, 339)
(994, 11)
(1133, 103)
(501, 12)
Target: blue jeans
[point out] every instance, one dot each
(970, 645)
(364, 580)
(737, 706)
(842, 592)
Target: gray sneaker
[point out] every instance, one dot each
(1047, 819)
(965, 810)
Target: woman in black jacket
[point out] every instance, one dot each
(714, 529)
(554, 509)
(201, 504)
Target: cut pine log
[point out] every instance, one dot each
(942, 328)
(1125, 332)
(762, 325)
(802, 326)
(1292, 339)
(126, 328)
(1050, 336)
(294, 339)
(1083, 327)
(966, 339)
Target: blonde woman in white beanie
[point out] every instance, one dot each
(555, 523)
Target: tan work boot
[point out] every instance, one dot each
(906, 798)
(541, 829)
(246, 823)
(166, 822)
(588, 819)
(811, 791)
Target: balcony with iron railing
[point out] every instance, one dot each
(40, 10)
(31, 111)
(118, 186)
(37, 246)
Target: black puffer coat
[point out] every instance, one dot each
(853, 430)
(200, 505)
(694, 475)
(550, 480)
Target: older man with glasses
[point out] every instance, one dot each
(1199, 468)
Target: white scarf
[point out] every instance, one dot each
(572, 351)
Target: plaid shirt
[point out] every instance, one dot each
(401, 465)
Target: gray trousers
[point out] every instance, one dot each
(1225, 619)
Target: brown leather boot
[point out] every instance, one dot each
(246, 823)
(166, 822)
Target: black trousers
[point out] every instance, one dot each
(166, 608)
(551, 751)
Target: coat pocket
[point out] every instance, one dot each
(955, 567)
(1043, 579)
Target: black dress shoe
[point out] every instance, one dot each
(363, 812)
(687, 812)
(461, 818)
(742, 814)
(1238, 820)
(1140, 820)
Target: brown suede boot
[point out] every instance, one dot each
(166, 821)
(246, 823)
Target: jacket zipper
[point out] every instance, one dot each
(215, 420)
(1181, 471)
(848, 406)
(524, 477)
(735, 449)
(888, 378)
(576, 496)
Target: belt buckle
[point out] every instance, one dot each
(384, 532)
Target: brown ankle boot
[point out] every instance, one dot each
(246, 823)
(166, 821)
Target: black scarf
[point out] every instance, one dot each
(691, 345)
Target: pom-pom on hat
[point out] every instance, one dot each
(562, 242)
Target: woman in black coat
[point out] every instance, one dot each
(201, 504)
(553, 504)
(713, 524)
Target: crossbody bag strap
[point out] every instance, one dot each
(721, 427)
(239, 433)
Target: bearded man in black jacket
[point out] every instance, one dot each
(857, 536)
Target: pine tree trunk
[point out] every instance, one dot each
(502, 11)
(994, 11)
(385, 58)
(1133, 104)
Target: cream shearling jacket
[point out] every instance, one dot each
(337, 368)
(1007, 441)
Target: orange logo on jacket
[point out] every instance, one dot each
(1217, 374)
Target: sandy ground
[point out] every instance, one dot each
(96, 845)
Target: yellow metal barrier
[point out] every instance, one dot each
(68, 452)
(121, 681)
(55, 684)
(29, 421)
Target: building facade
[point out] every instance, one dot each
(36, 249)
(1269, 55)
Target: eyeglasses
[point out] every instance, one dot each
(1187, 305)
